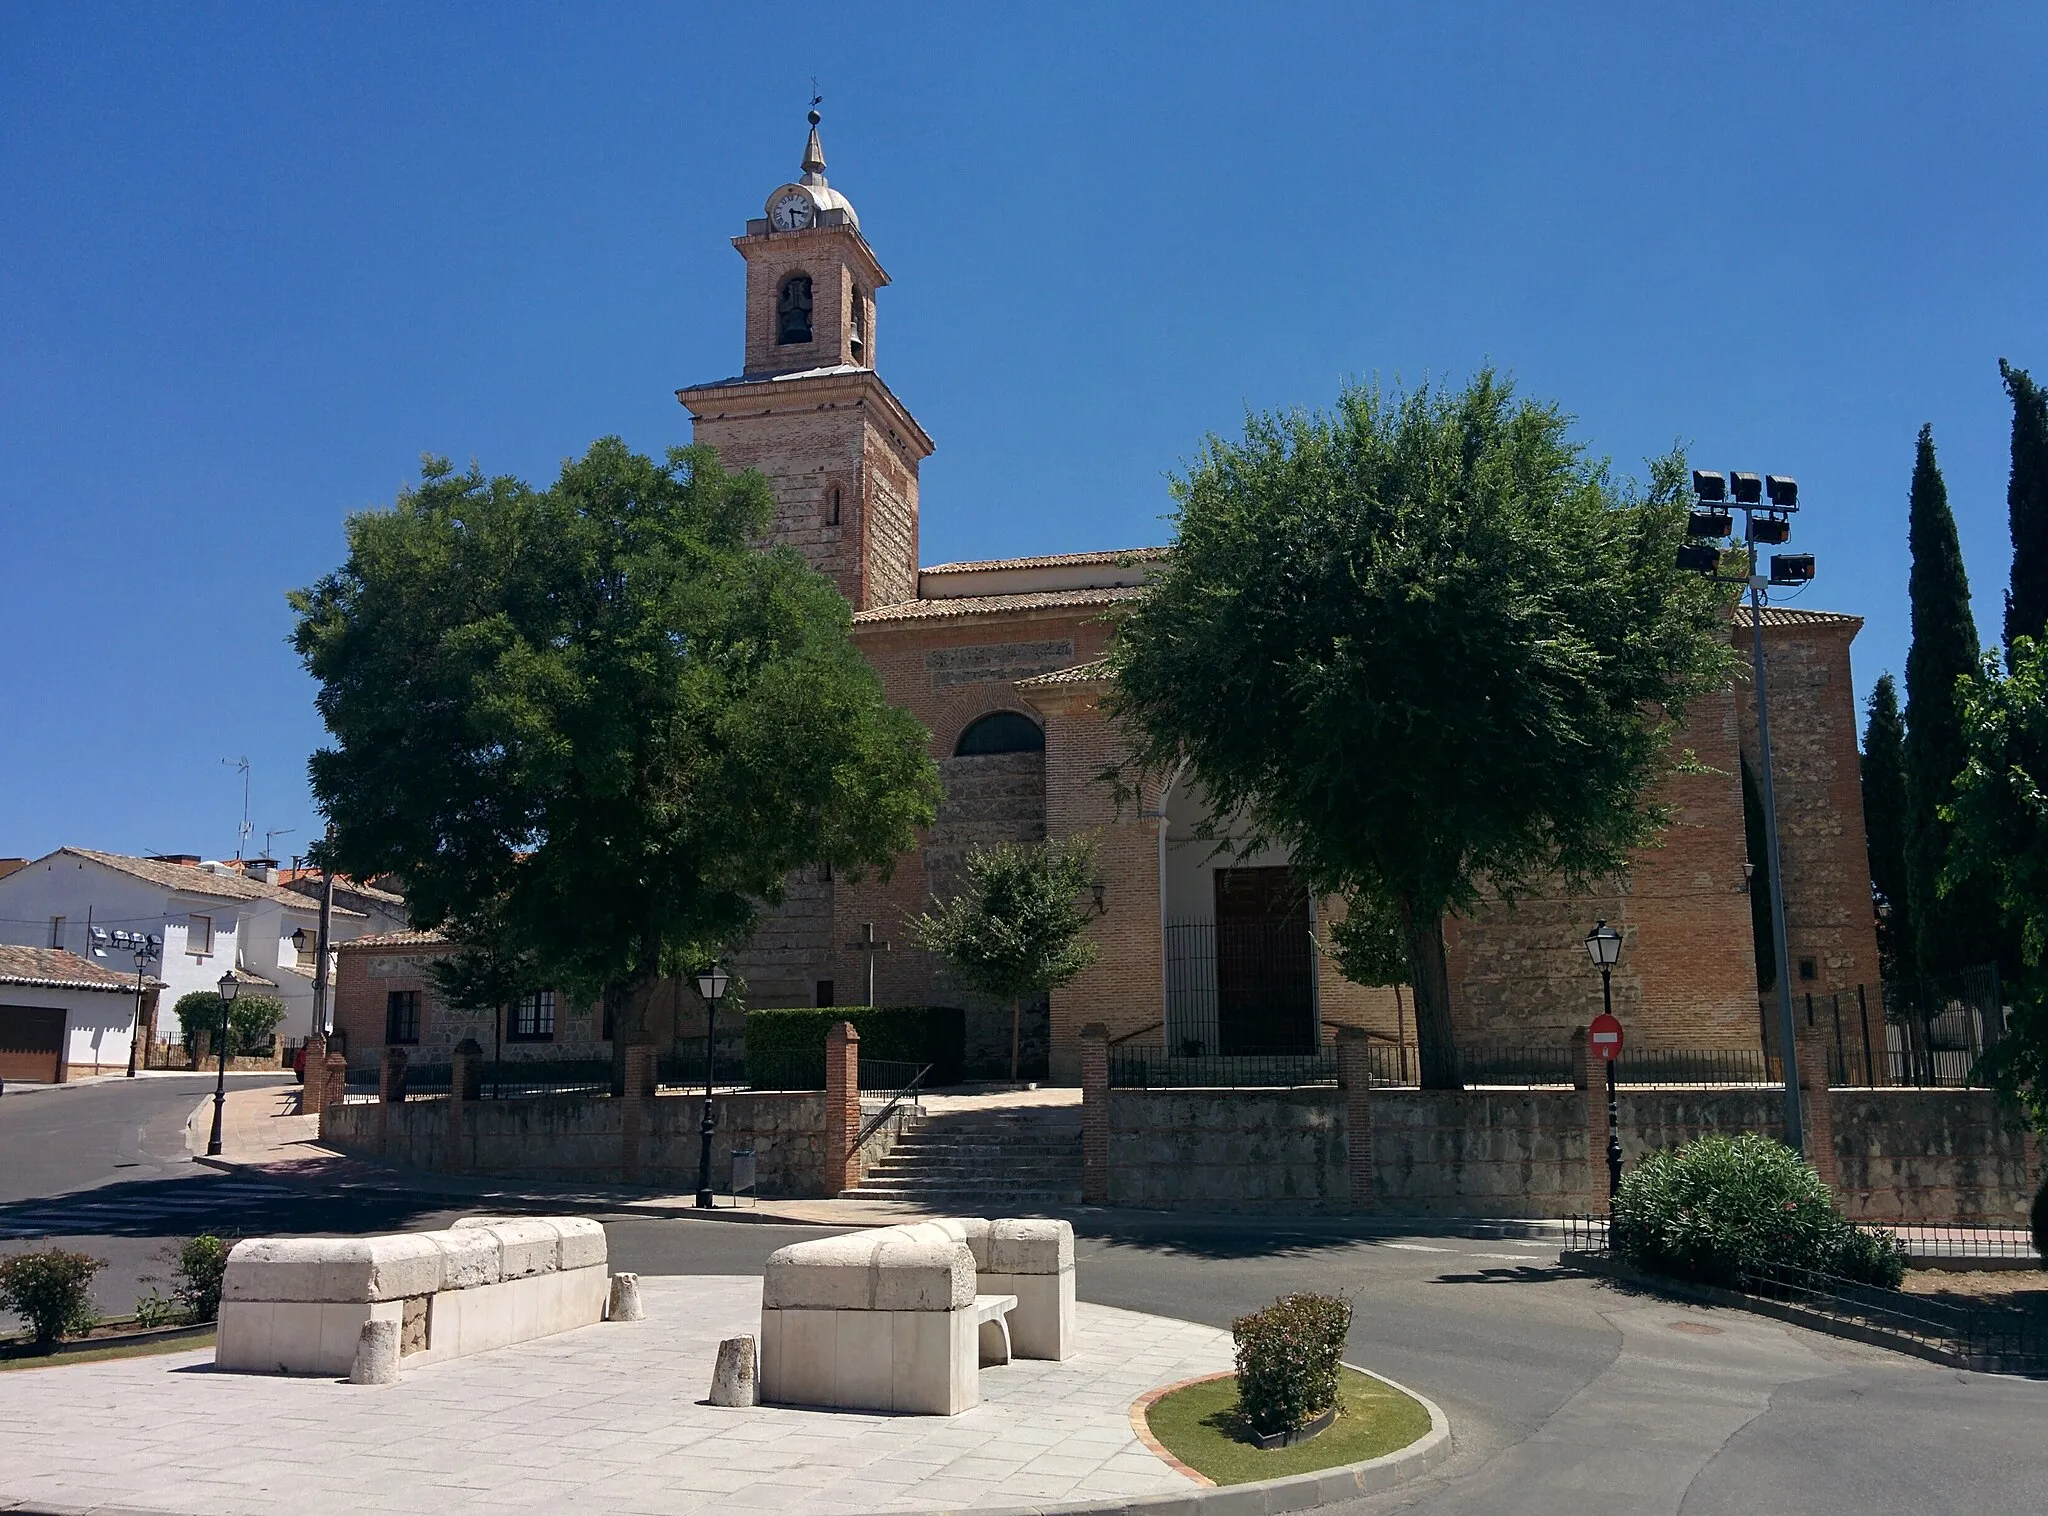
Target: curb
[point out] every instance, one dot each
(1813, 1321)
(1269, 1497)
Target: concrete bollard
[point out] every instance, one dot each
(376, 1354)
(625, 1301)
(733, 1381)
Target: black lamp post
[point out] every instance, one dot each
(711, 985)
(227, 987)
(146, 948)
(1603, 946)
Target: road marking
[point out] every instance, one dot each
(1416, 1247)
(1511, 1257)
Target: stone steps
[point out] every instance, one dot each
(982, 1162)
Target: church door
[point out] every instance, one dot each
(1265, 964)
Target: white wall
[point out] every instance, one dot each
(98, 1026)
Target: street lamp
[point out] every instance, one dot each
(1767, 505)
(711, 985)
(227, 987)
(1603, 946)
(147, 946)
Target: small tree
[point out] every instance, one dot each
(1431, 647)
(250, 1022)
(51, 1290)
(1884, 824)
(2000, 819)
(1017, 929)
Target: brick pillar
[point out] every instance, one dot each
(1810, 1044)
(1589, 1076)
(633, 1110)
(462, 1089)
(1095, 1113)
(315, 1066)
(333, 1088)
(1354, 1077)
(842, 1108)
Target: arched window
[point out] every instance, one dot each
(832, 506)
(793, 310)
(860, 326)
(1001, 732)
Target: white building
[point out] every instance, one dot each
(211, 918)
(61, 1017)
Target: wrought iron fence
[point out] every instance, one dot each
(1513, 1064)
(1986, 1338)
(525, 1078)
(1696, 1066)
(1140, 1067)
(1239, 988)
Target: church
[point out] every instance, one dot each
(1201, 951)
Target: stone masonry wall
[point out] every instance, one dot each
(1253, 1150)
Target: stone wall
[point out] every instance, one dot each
(1902, 1155)
(578, 1138)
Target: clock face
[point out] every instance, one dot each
(791, 211)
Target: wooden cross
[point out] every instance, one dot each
(868, 947)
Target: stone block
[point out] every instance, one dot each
(469, 1257)
(1028, 1247)
(734, 1378)
(377, 1354)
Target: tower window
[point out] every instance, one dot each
(793, 310)
(1002, 732)
(860, 326)
(832, 506)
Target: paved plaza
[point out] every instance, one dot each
(610, 1417)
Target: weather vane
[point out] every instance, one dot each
(816, 99)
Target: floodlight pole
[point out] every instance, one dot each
(1795, 1122)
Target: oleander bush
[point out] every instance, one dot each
(52, 1291)
(1288, 1356)
(1722, 1207)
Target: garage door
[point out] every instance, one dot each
(31, 1042)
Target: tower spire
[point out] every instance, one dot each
(814, 150)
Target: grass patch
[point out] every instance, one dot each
(1200, 1426)
(101, 1355)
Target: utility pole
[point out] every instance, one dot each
(323, 1019)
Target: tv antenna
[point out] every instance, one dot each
(241, 766)
(270, 839)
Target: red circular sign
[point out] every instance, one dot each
(1605, 1035)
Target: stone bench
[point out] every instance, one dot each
(903, 1318)
(297, 1305)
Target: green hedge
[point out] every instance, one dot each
(933, 1034)
(1288, 1356)
(1721, 1206)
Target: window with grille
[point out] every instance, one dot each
(402, 1016)
(533, 1018)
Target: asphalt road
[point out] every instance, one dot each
(1565, 1395)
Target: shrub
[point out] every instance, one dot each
(2037, 1220)
(1720, 1207)
(251, 1021)
(1287, 1360)
(933, 1034)
(201, 1264)
(51, 1291)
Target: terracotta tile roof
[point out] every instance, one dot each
(1051, 560)
(245, 976)
(187, 880)
(57, 969)
(994, 605)
(393, 939)
(1081, 673)
(1785, 615)
(307, 882)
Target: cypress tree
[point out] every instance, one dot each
(1884, 824)
(2026, 498)
(1959, 930)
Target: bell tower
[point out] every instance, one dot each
(839, 449)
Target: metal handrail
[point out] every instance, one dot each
(874, 1123)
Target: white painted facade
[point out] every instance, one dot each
(209, 917)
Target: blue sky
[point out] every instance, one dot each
(257, 259)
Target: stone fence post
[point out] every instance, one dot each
(202, 1046)
(333, 1088)
(390, 1092)
(1811, 1050)
(1095, 1114)
(633, 1108)
(1354, 1078)
(463, 1077)
(842, 1108)
(311, 1102)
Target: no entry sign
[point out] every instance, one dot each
(1605, 1035)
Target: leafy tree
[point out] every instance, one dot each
(2000, 815)
(597, 717)
(251, 1021)
(1884, 824)
(1016, 930)
(2026, 498)
(1954, 928)
(1429, 645)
